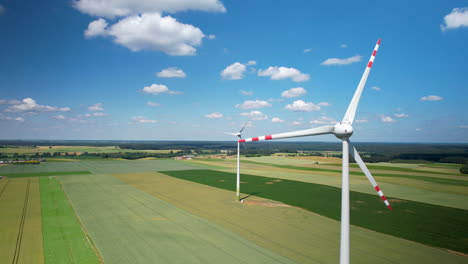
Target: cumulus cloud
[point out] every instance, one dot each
(324, 104)
(117, 8)
(280, 73)
(296, 123)
(277, 120)
(99, 114)
(214, 115)
(323, 121)
(307, 50)
(301, 106)
(387, 119)
(9, 118)
(294, 92)
(250, 104)
(59, 117)
(30, 105)
(143, 120)
(246, 92)
(376, 88)
(96, 107)
(171, 72)
(255, 115)
(401, 115)
(211, 36)
(361, 121)
(336, 61)
(96, 28)
(457, 18)
(157, 89)
(2, 101)
(463, 126)
(343, 45)
(432, 98)
(150, 31)
(236, 70)
(153, 104)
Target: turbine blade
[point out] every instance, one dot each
(242, 129)
(362, 165)
(352, 108)
(234, 134)
(301, 133)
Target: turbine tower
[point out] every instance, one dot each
(239, 135)
(342, 130)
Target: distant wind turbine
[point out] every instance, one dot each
(342, 130)
(239, 135)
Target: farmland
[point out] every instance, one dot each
(185, 211)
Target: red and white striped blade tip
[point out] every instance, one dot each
(382, 196)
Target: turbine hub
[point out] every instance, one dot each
(343, 130)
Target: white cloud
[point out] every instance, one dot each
(255, 115)
(251, 62)
(171, 72)
(294, 92)
(324, 104)
(323, 120)
(150, 31)
(143, 120)
(301, 106)
(153, 104)
(296, 123)
(401, 115)
(336, 61)
(214, 115)
(211, 36)
(418, 129)
(432, 98)
(96, 107)
(157, 89)
(343, 45)
(59, 117)
(246, 92)
(361, 121)
(234, 71)
(250, 104)
(30, 105)
(118, 8)
(376, 88)
(279, 73)
(277, 120)
(463, 126)
(9, 118)
(386, 119)
(2, 101)
(100, 114)
(307, 50)
(458, 18)
(96, 28)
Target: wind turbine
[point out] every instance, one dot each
(342, 130)
(239, 135)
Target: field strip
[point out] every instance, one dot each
(437, 225)
(42, 174)
(120, 166)
(296, 233)
(64, 240)
(450, 196)
(21, 239)
(128, 225)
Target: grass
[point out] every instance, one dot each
(20, 222)
(414, 177)
(436, 225)
(130, 226)
(64, 240)
(298, 234)
(42, 174)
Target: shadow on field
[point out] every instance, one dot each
(251, 194)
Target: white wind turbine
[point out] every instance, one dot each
(239, 135)
(342, 130)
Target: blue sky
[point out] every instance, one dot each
(192, 70)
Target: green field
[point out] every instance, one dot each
(130, 226)
(64, 239)
(293, 232)
(437, 226)
(42, 174)
(77, 149)
(20, 222)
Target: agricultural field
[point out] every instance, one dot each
(75, 149)
(168, 211)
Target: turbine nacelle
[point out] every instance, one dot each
(343, 130)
